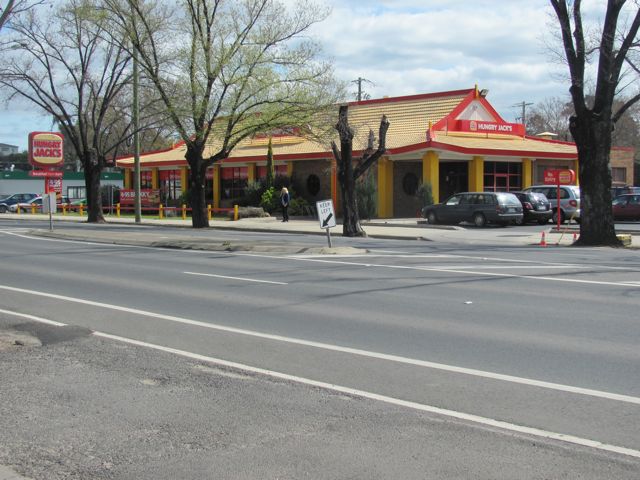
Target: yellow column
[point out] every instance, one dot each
(184, 179)
(476, 174)
(154, 179)
(576, 168)
(251, 173)
(431, 173)
(385, 188)
(216, 186)
(127, 179)
(527, 172)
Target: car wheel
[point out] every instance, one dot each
(432, 218)
(479, 220)
(3, 209)
(555, 217)
(519, 221)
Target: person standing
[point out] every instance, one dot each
(284, 200)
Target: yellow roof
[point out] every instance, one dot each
(409, 119)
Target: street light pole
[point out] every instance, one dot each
(136, 140)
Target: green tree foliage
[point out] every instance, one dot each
(227, 70)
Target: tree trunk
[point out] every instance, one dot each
(92, 170)
(351, 221)
(593, 140)
(197, 180)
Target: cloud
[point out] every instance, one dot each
(416, 46)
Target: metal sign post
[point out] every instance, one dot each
(326, 217)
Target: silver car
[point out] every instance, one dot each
(569, 200)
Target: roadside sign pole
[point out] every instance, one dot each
(326, 217)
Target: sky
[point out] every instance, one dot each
(406, 47)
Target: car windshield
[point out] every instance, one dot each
(508, 199)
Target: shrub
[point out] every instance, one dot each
(252, 195)
(425, 194)
(270, 200)
(366, 194)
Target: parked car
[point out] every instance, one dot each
(569, 200)
(9, 200)
(26, 206)
(626, 207)
(477, 207)
(617, 191)
(535, 207)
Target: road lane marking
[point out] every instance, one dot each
(33, 317)
(471, 272)
(235, 278)
(353, 351)
(477, 419)
(512, 427)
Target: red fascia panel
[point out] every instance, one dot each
(177, 163)
(408, 98)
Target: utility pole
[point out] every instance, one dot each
(360, 94)
(524, 106)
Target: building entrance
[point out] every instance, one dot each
(454, 178)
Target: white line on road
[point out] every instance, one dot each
(386, 399)
(365, 394)
(336, 348)
(33, 317)
(235, 278)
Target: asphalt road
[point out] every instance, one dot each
(416, 360)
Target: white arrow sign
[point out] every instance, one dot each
(326, 214)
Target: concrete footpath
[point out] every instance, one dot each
(396, 229)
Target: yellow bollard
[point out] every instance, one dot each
(33, 208)
(235, 213)
(209, 212)
(184, 211)
(64, 209)
(161, 212)
(118, 210)
(81, 210)
(18, 209)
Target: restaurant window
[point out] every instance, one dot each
(619, 174)
(75, 193)
(146, 180)
(233, 182)
(279, 171)
(502, 176)
(170, 186)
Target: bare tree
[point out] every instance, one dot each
(66, 66)
(227, 70)
(348, 173)
(13, 7)
(550, 115)
(592, 124)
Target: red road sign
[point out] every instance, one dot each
(559, 177)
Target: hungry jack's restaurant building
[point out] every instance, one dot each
(454, 140)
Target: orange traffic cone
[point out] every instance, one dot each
(543, 241)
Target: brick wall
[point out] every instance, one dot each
(302, 169)
(623, 158)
